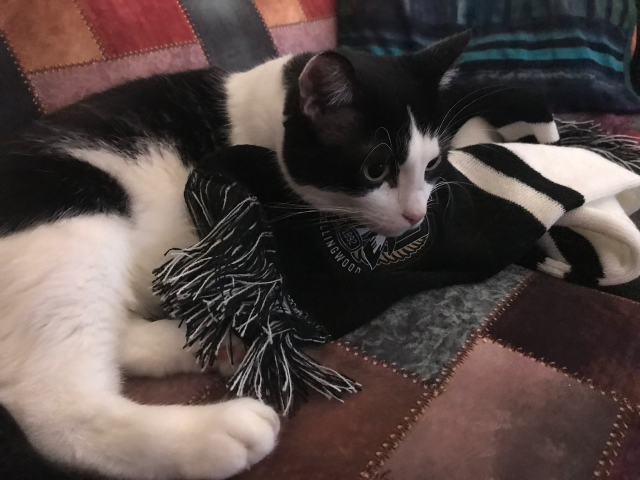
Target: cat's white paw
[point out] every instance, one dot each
(255, 425)
(237, 434)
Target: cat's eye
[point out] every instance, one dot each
(433, 163)
(376, 171)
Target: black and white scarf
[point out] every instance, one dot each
(517, 187)
(578, 197)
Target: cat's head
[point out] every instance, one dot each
(362, 132)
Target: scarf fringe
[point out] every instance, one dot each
(285, 372)
(228, 283)
(621, 149)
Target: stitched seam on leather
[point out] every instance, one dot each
(613, 394)
(139, 53)
(615, 441)
(264, 24)
(199, 398)
(94, 34)
(197, 36)
(35, 98)
(374, 469)
(302, 22)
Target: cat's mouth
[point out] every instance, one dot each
(385, 231)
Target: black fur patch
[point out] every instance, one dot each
(186, 109)
(40, 188)
(39, 183)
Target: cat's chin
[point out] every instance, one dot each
(390, 232)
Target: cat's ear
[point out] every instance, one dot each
(327, 81)
(437, 60)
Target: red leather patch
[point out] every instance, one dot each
(318, 8)
(125, 26)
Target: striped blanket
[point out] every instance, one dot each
(577, 52)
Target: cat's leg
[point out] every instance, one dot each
(62, 287)
(156, 349)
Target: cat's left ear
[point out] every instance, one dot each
(435, 61)
(326, 82)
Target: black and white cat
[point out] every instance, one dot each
(91, 198)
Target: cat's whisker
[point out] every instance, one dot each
(499, 90)
(447, 139)
(289, 207)
(374, 149)
(290, 215)
(390, 145)
(403, 130)
(450, 199)
(469, 104)
(462, 187)
(438, 130)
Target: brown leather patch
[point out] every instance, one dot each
(280, 12)
(506, 416)
(330, 440)
(173, 390)
(590, 334)
(325, 439)
(45, 33)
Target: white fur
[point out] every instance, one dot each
(414, 190)
(72, 297)
(155, 182)
(62, 287)
(386, 208)
(392, 207)
(255, 103)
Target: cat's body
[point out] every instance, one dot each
(91, 198)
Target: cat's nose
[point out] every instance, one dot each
(413, 218)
